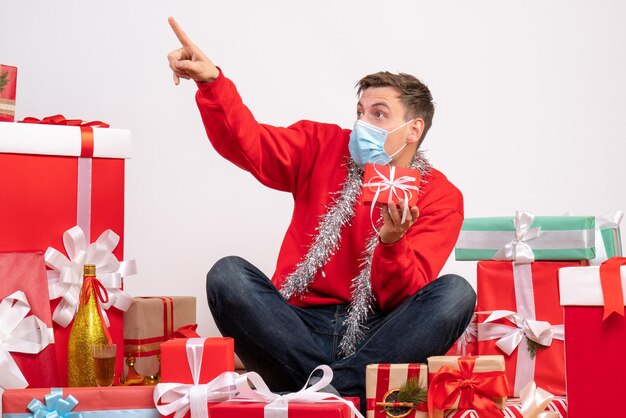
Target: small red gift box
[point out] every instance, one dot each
(237, 409)
(380, 379)
(26, 272)
(595, 338)
(8, 87)
(383, 184)
(49, 184)
(526, 325)
(217, 357)
(103, 402)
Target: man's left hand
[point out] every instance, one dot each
(393, 229)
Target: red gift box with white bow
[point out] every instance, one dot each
(56, 177)
(520, 317)
(383, 184)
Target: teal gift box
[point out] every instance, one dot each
(525, 238)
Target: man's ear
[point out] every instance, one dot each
(417, 128)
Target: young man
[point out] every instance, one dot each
(341, 294)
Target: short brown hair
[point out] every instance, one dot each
(414, 94)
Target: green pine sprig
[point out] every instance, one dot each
(3, 80)
(533, 346)
(412, 391)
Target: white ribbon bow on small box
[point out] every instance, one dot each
(517, 250)
(381, 183)
(66, 277)
(19, 333)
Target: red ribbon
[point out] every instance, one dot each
(86, 129)
(100, 293)
(612, 286)
(474, 390)
(187, 331)
(168, 326)
(60, 120)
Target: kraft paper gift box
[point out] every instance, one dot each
(526, 238)
(595, 332)
(525, 321)
(27, 356)
(383, 184)
(8, 88)
(53, 179)
(380, 379)
(150, 321)
(448, 387)
(85, 402)
(608, 237)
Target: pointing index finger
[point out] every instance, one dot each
(180, 33)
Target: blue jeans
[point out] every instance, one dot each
(284, 343)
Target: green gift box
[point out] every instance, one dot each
(608, 237)
(525, 238)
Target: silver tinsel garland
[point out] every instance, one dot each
(326, 244)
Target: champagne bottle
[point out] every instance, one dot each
(88, 329)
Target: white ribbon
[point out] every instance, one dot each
(66, 277)
(19, 334)
(509, 337)
(469, 335)
(610, 220)
(180, 398)
(402, 184)
(535, 401)
(278, 404)
(517, 250)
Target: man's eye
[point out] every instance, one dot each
(359, 114)
(379, 115)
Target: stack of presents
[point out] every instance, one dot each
(546, 339)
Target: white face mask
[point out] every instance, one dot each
(367, 143)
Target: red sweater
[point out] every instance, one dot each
(307, 159)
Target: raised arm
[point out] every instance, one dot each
(188, 61)
(276, 156)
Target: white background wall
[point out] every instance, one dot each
(530, 95)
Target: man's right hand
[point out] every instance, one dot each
(189, 62)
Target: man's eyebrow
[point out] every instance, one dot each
(375, 104)
(381, 104)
